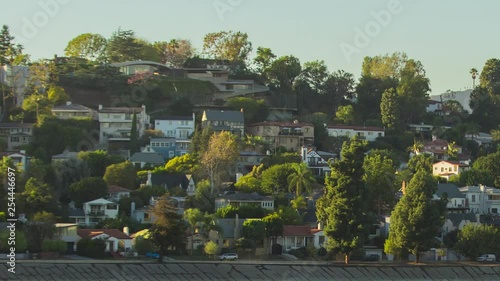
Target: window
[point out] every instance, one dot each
(321, 240)
(170, 154)
(111, 207)
(456, 168)
(370, 133)
(300, 242)
(494, 210)
(473, 198)
(442, 169)
(14, 139)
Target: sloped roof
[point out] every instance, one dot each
(283, 124)
(356, 128)
(121, 110)
(456, 219)
(95, 232)
(16, 125)
(297, 230)
(240, 196)
(116, 189)
(170, 180)
(224, 115)
(101, 201)
(449, 188)
(71, 107)
(151, 158)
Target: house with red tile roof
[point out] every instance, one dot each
(116, 240)
(117, 192)
(447, 169)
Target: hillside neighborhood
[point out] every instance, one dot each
(123, 149)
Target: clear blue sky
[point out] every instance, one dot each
(448, 36)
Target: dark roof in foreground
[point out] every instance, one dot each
(449, 188)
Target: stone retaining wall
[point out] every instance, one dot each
(240, 271)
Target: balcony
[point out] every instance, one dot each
(291, 133)
(95, 213)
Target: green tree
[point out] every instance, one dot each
(301, 179)
(89, 46)
(6, 43)
(254, 229)
(175, 52)
(475, 177)
(134, 139)
(38, 197)
(193, 218)
(199, 141)
(282, 73)
(123, 46)
(417, 218)
(121, 174)
(98, 161)
(343, 206)
(253, 110)
(474, 240)
(379, 178)
(489, 164)
(389, 108)
(168, 229)
(221, 154)
(263, 59)
(275, 179)
(345, 114)
(185, 164)
(57, 95)
(227, 45)
(421, 162)
(210, 248)
(274, 225)
(88, 189)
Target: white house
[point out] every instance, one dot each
(115, 123)
(447, 169)
(239, 199)
(296, 236)
(20, 159)
(117, 192)
(73, 110)
(116, 240)
(457, 202)
(363, 132)
(482, 199)
(315, 161)
(434, 106)
(68, 233)
(178, 127)
(454, 221)
(94, 212)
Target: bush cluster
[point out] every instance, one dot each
(92, 248)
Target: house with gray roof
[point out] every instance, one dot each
(240, 199)
(73, 110)
(224, 120)
(457, 203)
(457, 221)
(16, 134)
(147, 157)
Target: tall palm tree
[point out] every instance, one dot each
(473, 72)
(417, 147)
(301, 179)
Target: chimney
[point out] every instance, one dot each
(126, 230)
(241, 109)
(68, 103)
(320, 225)
(100, 107)
(403, 187)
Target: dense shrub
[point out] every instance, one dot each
(143, 246)
(322, 252)
(92, 248)
(21, 243)
(245, 211)
(300, 253)
(54, 246)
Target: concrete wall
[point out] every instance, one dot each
(104, 270)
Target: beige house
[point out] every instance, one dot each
(290, 135)
(447, 169)
(68, 233)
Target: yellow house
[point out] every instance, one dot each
(446, 169)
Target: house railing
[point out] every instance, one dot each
(95, 213)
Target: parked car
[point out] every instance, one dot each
(487, 258)
(372, 257)
(153, 255)
(229, 256)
